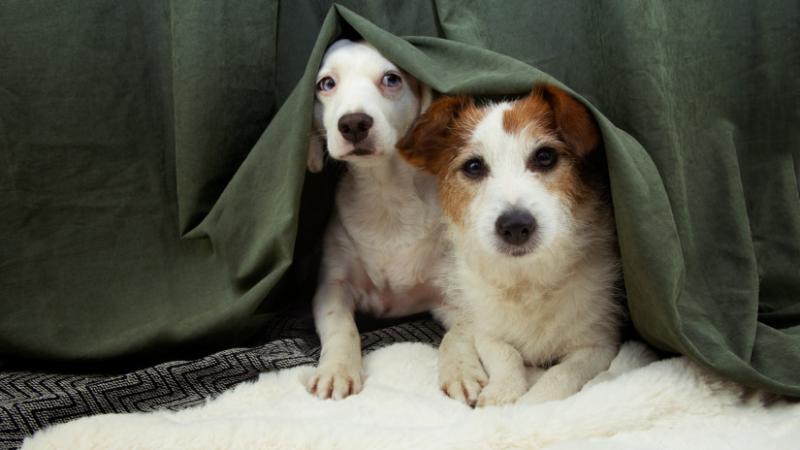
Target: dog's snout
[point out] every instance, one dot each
(515, 226)
(355, 126)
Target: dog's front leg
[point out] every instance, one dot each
(461, 375)
(506, 371)
(568, 376)
(339, 371)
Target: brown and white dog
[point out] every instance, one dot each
(534, 258)
(385, 240)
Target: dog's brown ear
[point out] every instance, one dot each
(428, 144)
(573, 121)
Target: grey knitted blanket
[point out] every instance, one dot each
(30, 401)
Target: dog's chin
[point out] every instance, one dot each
(365, 156)
(362, 152)
(515, 251)
(358, 155)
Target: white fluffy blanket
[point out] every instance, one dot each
(637, 404)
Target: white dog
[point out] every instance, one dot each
(534, 259)
(384, 242)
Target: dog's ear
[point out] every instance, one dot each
(316, 152)
(573, 121)
(428, 144)
(425, 97)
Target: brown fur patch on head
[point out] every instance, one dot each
(549, 111)
(530, 114)
(434, 142)
(568, 183)
(431, 140)
(587, 182)
(455, 194)
(455, 190)
(571, 119)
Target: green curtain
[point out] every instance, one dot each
(154, 195)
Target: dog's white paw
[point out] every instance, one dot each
(335, 381)
(463, 381)
(501, 393)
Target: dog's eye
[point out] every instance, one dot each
(391, 79)
(475, 168)
(544, 158)
(326, 84)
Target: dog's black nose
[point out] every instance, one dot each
(355, 127)
(515, 226)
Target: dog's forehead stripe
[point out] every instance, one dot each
(486, 130)
(492, 139)
(529, 115)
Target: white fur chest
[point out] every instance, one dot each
(519, 315)
(543, 321)
(396, 231)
